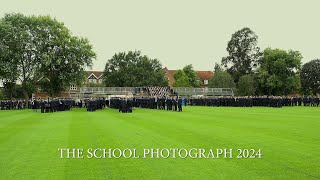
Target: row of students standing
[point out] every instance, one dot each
(124, 105)
(162, 103)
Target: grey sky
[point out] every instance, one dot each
(180, 32)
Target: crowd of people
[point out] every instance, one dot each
(126, 105)
(164, 103)
(53, 105)
(94, 104)
(45, 105)
(250, 101)
(14, 104)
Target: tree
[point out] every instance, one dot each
(132, 69)
(243, 53)
(181, 79)
(217, 68)
(279, 72)
(16, 92)
(246, 85)
(9, 56)
(39, 47)
(193, 79)
(23, 46)
(310, 77)
(222, 79)
(1, 94)
(64, 57)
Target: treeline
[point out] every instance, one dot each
(251, 71)
(38, 53)
(269, 72)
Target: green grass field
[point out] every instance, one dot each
(289, 139)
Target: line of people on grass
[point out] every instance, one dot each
(45, 105)
(165, 103)
(14, 104)
(53, 105)
(126, 104)
(162, 103)
(250, 101)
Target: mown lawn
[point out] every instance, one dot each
(289, 139)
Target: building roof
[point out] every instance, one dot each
(203, 75)
(97, 74)
(169, 74)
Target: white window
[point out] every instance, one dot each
(73, 87)
(206, 82)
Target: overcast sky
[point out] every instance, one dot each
(179, 32)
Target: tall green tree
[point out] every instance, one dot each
(1, 94)
(279, 72)
(181, 79)
(193, 79)
(246, 85)
(222, 79)
(133, 69)
(63, 57)
(8, 58)
(20, 54)
(217, 68)
(310, 77)
(39, 47)
(243, 53)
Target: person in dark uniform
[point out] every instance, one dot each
(169, 104)
(159, 103)
(163, 103)
(299, 101)
(175, 104)
(185, 101)
(123, 106)
(51, 104)
(180, 104)
(34, 104)
(88, 105)
(129, 105)
(42, 106)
